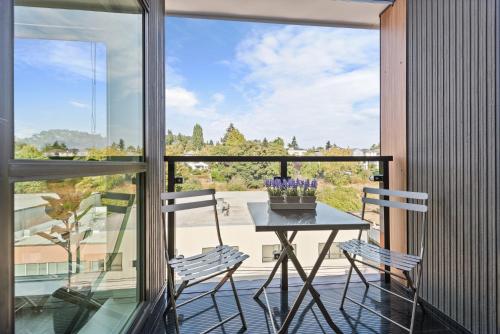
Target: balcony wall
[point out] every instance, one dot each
(453, 144)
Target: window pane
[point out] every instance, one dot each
(67, 232)
(79, 81)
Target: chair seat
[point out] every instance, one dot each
(405, 262)
(217, 260)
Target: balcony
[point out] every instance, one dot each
(83, 160)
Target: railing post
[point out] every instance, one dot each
(171, 215)
(387, 218)
(284, 264)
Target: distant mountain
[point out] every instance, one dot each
(73, 139)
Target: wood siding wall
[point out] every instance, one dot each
(453, 154)
(393, 108)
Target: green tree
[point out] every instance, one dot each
(170, 138)
(197, 138)
(55, 146)
(26, 151)
(328, 145)
(279, 142)
(233, 137)
(294, 144)
(121, 144)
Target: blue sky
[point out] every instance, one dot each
(317, 83)
(53, 86)
(270, 80)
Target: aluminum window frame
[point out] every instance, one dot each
(12, 170)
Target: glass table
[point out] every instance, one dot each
(324, 218)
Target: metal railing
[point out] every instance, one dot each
(383, 178)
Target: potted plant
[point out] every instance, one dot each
(309, 191)
(292, 191)
(275, 190)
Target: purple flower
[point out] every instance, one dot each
(314, 184)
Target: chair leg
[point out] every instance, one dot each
(346, 286)
(412, 287)
(240, 310)
(349, 274)
(224, 280)
(415, 298)
(172, 302)
(353, 265)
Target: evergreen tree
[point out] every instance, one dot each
(211, 142)
(328, 145)
(233, 136)
(121, 145)
(170, 138)
(197, 138)
(294, 144)
(265, 142)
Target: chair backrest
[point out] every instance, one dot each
(405, 195)
(396, 204)
(171, 206)
(189, 205)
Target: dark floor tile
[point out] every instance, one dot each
(204, 313)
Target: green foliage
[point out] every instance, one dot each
(250, 175)
(56, 146)
(121, 145)
(233, 137)
(342, 198)
(189, 184)
(170, 138)
(27, 151)
(311, 170)
(294, 144)
(31, 187)
(102, 183)
(197, 138)
(237, 183)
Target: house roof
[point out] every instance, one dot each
(342, 13)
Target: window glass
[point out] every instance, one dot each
(271, 253)
(334, 252)
(67, 232)
(79, 81)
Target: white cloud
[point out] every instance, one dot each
(218, 98)
(179, 98)
(314, 83)
(318, 84)
(79, 105)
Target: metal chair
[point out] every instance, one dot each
(404, 262)
(199, 268)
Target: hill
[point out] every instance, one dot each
(72, 138)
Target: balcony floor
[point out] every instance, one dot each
(203, 313)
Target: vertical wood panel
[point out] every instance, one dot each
(453, 154)
(393, 108)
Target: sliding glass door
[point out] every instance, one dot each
(77, 177)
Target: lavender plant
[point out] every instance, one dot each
(292, 188)
(274, 187)
(309, 188)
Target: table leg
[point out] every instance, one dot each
(307, 283)
(282, 257)
(296, 264)
(284, 268)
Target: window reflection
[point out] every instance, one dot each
(79, 81)
(75, 254)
